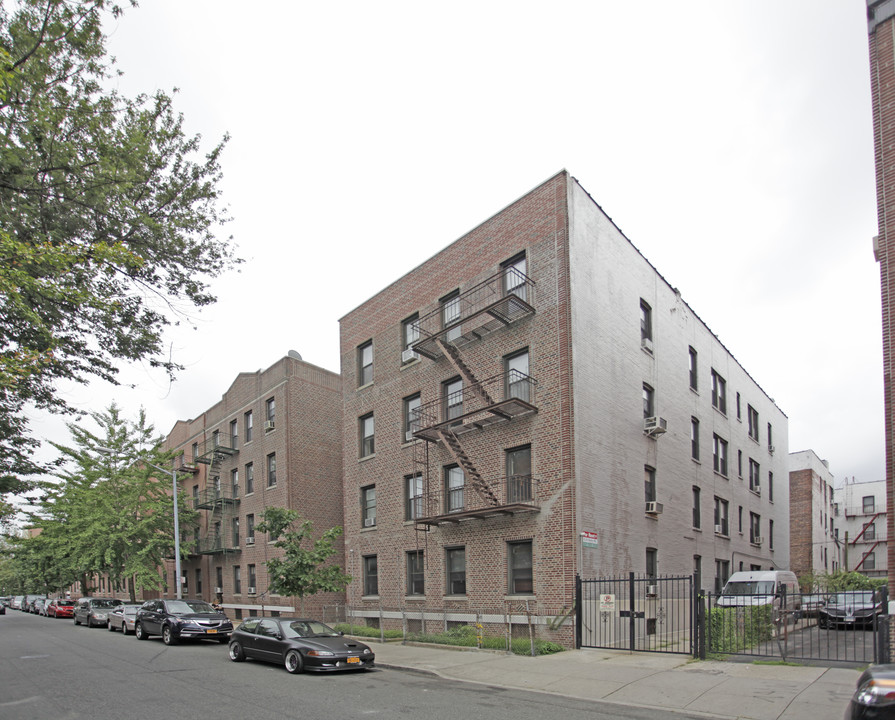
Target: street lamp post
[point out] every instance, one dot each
(177, 580)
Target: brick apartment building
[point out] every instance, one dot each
(861, 511)
(881, 30)
(274, 440)
(814, 522)
(535, 382)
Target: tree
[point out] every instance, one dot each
(109, 514)
(301, 572)
(108, 214)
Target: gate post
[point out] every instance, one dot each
(579, 604)
(631, 607)
(700, 626)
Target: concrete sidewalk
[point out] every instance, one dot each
(671, 682)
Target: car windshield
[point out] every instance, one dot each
(181, 607)
(104, 603)
(308, 628)
(65, 603)
(750, 587)
(853, 598)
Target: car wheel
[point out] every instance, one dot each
(236, 653)
(77, 622)
(168, 636)
(110, 627)
(293, 662)
(124, 630)
(822, 623)
(139, 632)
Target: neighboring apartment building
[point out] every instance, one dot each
(814, 542)
(861, 515)
(274, 440)
(536, 401)
(881, 31)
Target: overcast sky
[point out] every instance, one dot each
(731, 141)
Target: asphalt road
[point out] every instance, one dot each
(53, 670)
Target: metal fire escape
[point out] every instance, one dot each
(860, 535)
(495, 303)
(220, 501)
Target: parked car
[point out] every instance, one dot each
(178, 620)
(850, 608)
(299, 644)
(28, 602)
(17, 601)
(124, 618)
(874, 698)
(812, 603)
(39, 605)
(779, 588)
(94, 611)
(61, 608)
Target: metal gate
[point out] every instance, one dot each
(649, 614)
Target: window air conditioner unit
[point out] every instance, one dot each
(408, 436)
(646, 344)
(409, 355)
(218, 590)
(771, 449)
(369, 522)
(718, 529)
(269, 425)
(250, 540)
(654, 508)
(655, 425)
(252, 591)
(758, 540)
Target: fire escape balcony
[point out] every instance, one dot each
(514, 494)
(214, 498)
(214, 451)
(474, 407)
(216, 544)
(494, 303)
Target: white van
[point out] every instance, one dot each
(762, 587)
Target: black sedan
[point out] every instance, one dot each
(300, 644)
(849, 608)
(875, 697)
(177, 620)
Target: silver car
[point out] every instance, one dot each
(123, 617)
(94, 611)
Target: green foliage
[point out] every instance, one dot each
(108, 214)
(738, 628)
(105, 514)
(301, 572)
(838, 581)
(370, 632)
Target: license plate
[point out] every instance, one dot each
(353, 660)
(212, 631)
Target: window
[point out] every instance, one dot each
(365, 364)
(697, 512)
(415, 575)
(219, 579)
(869, 561)
(250, 528)
(412, 407)
(719, 392)
(694, 372)
(234, 434)
(652, 563)
(754, 476)
(868, 504)
(252, 578)
(195, 496)
(413, 508)
(450, 314)
(195, 451)
(199, 582)
(739, 464)
(754, 528)
(272, 470)
(518, 382)
(646, 322)
(367, 435)
(770, 438)
(250, 478)
(771, 487)
(368, 505)
(870, 531)
(452, 394)
(649, 484)
(740, 519)
(648, 401)
(215, 438)
(247, 425)
(739, 413)
(514, 277)
(234, 527)
(722, 573)
(694, 438)
(237, 580)
(520, 568)
(410, 333)
(270, 412)
(752, 421)
(719, 455)
(771, 534)
(371, 575)
(454, 480)
(455, 562)
(519, 485)
(216, 485)
(721, 519)
(234, 482)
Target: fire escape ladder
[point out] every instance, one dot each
(864, 529)
(475, 478)
(864, 556)
(466, 373)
